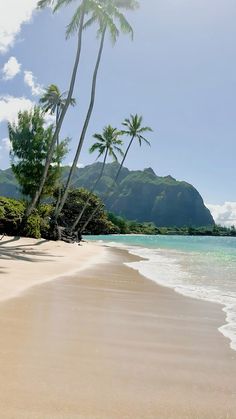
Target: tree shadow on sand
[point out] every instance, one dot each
(27, 255)
(13, 239)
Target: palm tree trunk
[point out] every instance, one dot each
(58, 163)
(90, 194)
(57, 120)
(85, 126)
(60, 121)
(124, 158)
(115, 180)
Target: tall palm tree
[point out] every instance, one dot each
(134, 130)
(107, 15)
(108, 144)
(81, 12)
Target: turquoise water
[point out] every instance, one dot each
(198, 267)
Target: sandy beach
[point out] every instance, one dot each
(26, 262)
(104, 342)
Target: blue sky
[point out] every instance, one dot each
(179, 73)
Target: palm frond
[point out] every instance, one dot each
(124, 24)
(127, 4)
(99, 137)
(61, 3)
(141, 138)
(44, 3)
(74, 23)
(90, 22)
(118, 149)
(94, 147)
(145, 129)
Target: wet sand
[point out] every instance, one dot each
(110, 344)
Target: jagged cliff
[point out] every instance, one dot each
(141, 195)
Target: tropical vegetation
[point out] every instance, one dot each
(52, 207)
(30, 140)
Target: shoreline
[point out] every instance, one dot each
(108, 343)
(224, 328)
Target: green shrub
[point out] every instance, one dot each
(11, 215)
(32, 226)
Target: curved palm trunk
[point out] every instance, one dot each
(60, 121)
(115, 180)
(58, 163)
(90, 194)
(85, 127)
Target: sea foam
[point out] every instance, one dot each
(188, 274)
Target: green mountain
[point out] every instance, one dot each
(141, 195)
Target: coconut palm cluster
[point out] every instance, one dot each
(108, 16)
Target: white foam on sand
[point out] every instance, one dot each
(166, 268)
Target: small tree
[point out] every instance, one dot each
(30, 141)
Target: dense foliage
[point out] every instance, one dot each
(38, 223)
(133, 227)
(30, 140)
(12, 214)
(160, 200)
(73, 206)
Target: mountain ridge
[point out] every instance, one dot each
(164, 201)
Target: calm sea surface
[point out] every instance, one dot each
(198, 267)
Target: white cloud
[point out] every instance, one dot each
(79, 165)
(11, 68)
(30, 80)
(5, 144)
(10, 106)
(224, 214)
(13, 13)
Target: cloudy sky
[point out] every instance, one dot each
(179, 73)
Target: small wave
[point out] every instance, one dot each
(166, 268)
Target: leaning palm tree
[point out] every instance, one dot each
(134, 130)
(81, 12)
(106, 16)
(108, 144)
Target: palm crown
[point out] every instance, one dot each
(134, 128)
(108, 142)
(105, 12)
(53, 99)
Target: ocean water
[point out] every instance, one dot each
(197, 267)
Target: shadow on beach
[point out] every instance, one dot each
(18, 252)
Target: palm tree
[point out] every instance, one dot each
(53, 101)
(108, 144)
(81, 11)
(134, 130)
(106, 16)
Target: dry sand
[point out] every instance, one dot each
(110, 344)
(28, 262)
